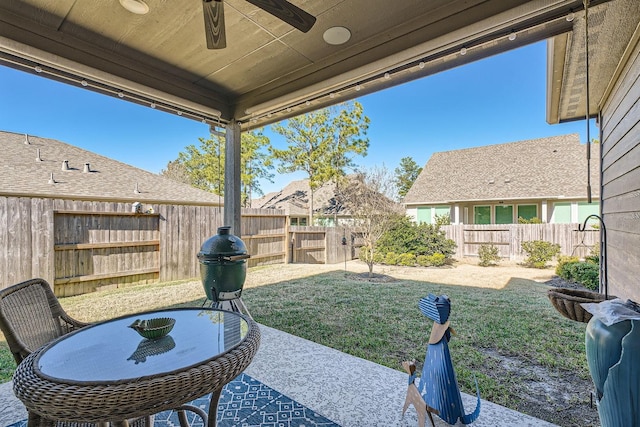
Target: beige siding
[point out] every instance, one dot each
(620, 130)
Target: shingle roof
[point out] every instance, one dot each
(294, 199)
(538, 168)
(23, 175)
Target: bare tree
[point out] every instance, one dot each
(369, 197)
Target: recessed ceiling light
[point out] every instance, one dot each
(138, 7)
(337, 35)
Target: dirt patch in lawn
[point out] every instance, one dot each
(560, 399)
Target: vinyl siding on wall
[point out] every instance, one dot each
(620, 196)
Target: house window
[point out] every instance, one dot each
(585, 209)
(561, 213)
(504, 214)
(527, 211)
(298, 221)
(482, 214)
(424, 215)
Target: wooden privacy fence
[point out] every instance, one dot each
(80, 246)
(508, 238)
(322, 245)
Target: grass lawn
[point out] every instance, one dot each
(496, 328)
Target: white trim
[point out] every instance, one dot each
(574, 212)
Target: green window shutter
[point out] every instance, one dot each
(443, 210)
(424, 215)
(585, 209)
(561, 213)
(504, 214)
(527, 211)
(482, 214)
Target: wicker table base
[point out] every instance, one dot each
(115, 401)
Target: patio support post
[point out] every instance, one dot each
(232, 208)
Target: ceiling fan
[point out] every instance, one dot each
(281, 9)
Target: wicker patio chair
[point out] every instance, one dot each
(30, 317)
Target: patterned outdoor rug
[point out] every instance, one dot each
(246, 402)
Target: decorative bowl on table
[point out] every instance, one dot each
(153, 328)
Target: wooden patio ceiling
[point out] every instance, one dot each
(269, 70)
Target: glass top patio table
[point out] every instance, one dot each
(108, 372)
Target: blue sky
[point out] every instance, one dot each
(497, 100)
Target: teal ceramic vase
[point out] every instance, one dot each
(613, 353)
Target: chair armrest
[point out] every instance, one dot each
(69, 324)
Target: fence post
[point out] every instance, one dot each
(286, 242)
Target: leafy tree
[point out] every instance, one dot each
(177, 172)
(372, 212)
(257, 164)
(322, 144)
(204, 165)
(406, 175)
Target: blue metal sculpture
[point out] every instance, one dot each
(438, 385)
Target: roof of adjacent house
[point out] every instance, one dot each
(294, 199)
(108, 179)
(534, 169)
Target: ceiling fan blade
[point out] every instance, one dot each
(214, 24)
(288, 12)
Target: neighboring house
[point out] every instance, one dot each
(294, 200)
(41, 167)
(69, 216)
(497, 184)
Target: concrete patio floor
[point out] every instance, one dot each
(350, 391)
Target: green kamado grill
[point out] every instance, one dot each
(223, 266)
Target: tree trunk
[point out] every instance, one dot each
(370, 262)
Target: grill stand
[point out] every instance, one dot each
(235, 304)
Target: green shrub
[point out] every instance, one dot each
(423, 260)
(539, 252)
(564, 261)
(437, 259)
(442, 219)
(391, 258)
(488, 255)
(407, 259)
(594, 255)
(534, 220)
(364, 253)
(405, 236)
(585, 273)
(378, 257)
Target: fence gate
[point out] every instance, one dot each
(308, 246)
(97, 249)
